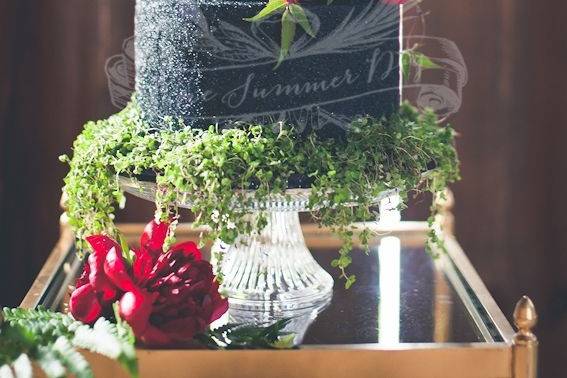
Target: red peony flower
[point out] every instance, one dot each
(165, 297)
(95, 292)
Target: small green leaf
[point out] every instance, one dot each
(71, 359)
(350, 281)
(6, 372)
(406, 64)
(300, 17)
(272, 7)
(420, 60)
(126, 251)
(23, 367)
(49, 362)
(423, 61)
(284, 342)
(288, 34)
(345, 261)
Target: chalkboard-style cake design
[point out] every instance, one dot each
(202, 61)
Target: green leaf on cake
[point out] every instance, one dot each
(300, 17)
(417, 59)
(288, 34)
(406, 64)
(292, 15)
(424, 61)
(272, 7)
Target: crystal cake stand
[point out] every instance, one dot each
(273, 271)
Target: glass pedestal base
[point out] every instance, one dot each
(273, 271)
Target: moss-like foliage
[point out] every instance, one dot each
(211, 165)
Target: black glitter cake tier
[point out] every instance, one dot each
(200, 61)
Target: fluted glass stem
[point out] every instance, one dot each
(273, 270)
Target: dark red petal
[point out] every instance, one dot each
(154, 336)
(84, 278)
(189, 249)
(183, 329)
(200, 271)
(98, 279)
(115, 269)
(142, 266)
(154, 236)
(220, 304)
(162, 266)
(102, 244)
(135, 308)
(84, 304)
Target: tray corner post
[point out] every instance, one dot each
(524, 342)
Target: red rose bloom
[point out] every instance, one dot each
(165, 297)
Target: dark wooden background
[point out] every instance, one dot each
(511, 204)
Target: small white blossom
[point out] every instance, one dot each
(215, 216)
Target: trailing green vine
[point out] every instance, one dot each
(408, 151)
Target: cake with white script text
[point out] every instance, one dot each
(210, 62)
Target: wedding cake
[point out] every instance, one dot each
(208, 62)
(248, 112)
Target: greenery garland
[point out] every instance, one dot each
(211, 165)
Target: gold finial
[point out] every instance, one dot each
(525, 319)
(525, 342)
